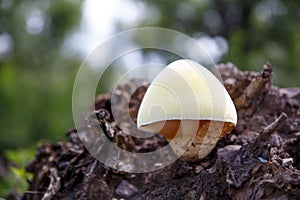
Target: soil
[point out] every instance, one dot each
(259, 159)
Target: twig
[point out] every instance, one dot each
(91, 171)
(269, 130)
(87, 178)
(54, 184)
(32, 192)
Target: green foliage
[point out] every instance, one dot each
(256, 31)
(36, 70)
(36, 79)
(16, 177)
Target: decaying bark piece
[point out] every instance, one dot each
(255, 89)
(259, 160)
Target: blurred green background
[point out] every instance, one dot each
(39, 58)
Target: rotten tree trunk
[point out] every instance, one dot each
(259, 160)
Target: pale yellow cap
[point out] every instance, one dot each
(185, 90)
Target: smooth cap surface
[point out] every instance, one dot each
(185, 90)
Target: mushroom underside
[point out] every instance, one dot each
(189, 128)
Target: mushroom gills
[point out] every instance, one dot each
(181, 135)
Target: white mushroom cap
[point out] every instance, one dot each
(185, 90)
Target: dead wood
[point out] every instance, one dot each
(259, 160)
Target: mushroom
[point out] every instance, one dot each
(190, 107)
